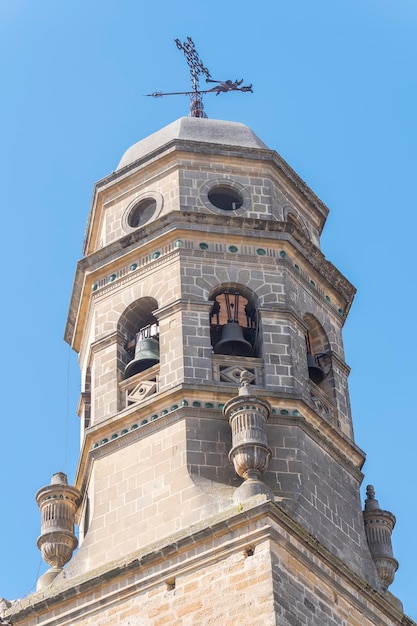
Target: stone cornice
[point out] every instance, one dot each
(199, 546)
(324, 433)
(206, 222)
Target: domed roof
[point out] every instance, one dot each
(194, 129)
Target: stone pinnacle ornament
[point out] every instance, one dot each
(250, 453)
(58, 503)
(378, 528)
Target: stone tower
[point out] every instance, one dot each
(218, 478)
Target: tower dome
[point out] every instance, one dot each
(196, 130)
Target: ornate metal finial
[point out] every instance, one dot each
(196, 69)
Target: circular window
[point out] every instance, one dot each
(219, 195)
(142, 210)
(225, 198)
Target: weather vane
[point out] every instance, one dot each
(196, 69)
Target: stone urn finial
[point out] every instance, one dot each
(250, 453)
(379, 525)
(245, 380)
(58, 503)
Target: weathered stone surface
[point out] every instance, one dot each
(250, 564)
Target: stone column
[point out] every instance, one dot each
(250, 453)
(378, 528)
(58, 503)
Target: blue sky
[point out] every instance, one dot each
(335, 94)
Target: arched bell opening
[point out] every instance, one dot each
(234, 322)
(140, 328)
(318, 356)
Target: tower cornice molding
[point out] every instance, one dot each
(331, 439)
(186, 221)
(191, 549)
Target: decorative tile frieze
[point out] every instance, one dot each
(262, 254)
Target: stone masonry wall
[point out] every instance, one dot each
(323, 496)
(251, 568)
(142, 493)
(306, 595)
(236, 590)
(315, 488)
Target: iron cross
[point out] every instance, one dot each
(196, 70)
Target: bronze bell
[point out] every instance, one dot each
(315, 372)
(146, 355)
(233, 341)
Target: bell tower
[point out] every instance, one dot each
(218, 478)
